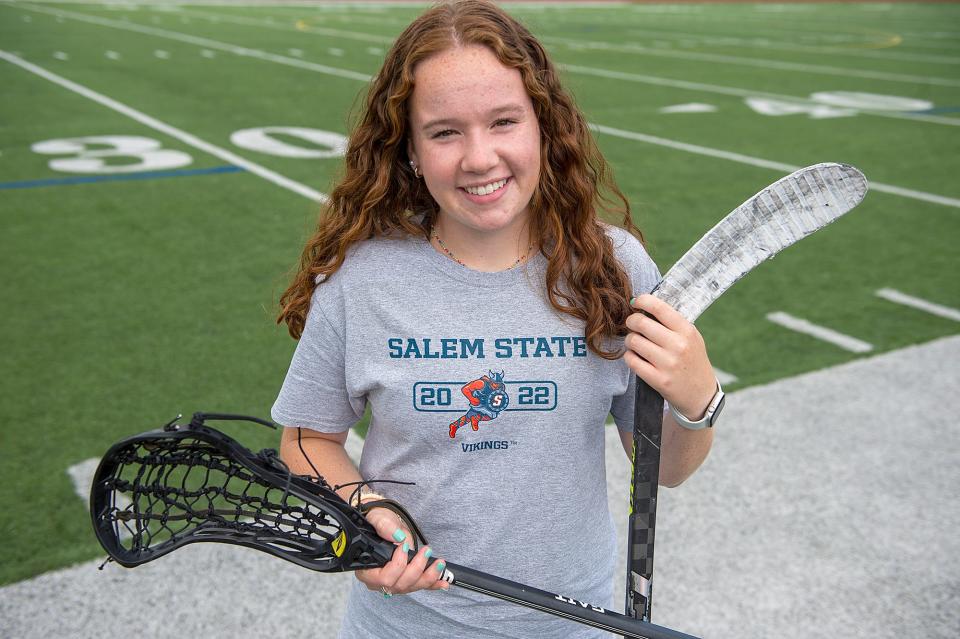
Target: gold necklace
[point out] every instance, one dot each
(453, 257)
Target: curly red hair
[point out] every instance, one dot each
(379, 194)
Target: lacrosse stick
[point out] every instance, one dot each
(182, 484)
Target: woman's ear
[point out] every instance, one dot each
(411, 154)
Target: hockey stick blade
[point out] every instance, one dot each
(788, 210)
(785, 212)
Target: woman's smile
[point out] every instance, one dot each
(485, 193)
(476, 138)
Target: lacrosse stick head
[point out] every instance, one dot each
(163, 489)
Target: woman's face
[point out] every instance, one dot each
(476, 139)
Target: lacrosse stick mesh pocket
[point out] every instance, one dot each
(156, 492)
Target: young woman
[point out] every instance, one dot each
(462, 284)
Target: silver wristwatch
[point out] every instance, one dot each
(709, 418)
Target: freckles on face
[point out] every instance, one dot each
(475, 137)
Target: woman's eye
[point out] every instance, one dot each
(442, 134)
(504, 122)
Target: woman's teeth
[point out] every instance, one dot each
(486, 189)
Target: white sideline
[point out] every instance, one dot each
(157, 125)
(807, 327)
(895, 296)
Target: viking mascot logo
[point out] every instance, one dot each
(487, 397)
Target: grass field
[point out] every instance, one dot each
(141, 273)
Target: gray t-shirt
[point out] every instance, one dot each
(491, 402)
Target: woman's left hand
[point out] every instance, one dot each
(669, 354)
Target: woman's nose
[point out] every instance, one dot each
(479, 155)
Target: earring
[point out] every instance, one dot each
(416, 169)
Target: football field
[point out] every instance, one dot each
(162, 163)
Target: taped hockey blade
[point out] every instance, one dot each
(788, 210)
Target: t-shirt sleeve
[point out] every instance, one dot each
(314, 393)
(644, 275)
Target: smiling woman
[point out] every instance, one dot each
(461, 275)
(475, 138)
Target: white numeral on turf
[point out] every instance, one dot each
(769, 106)
(870, 101)
(111, 154)
(262, 139)
(837, 104)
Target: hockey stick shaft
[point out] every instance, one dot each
(558, 605)
(642, 521)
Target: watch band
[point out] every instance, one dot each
(709, 417)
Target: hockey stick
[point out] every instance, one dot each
(781, 214)
(160, 490)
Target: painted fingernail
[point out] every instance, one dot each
(406, 547)
(399, 535)
(631, 300)
(441, 565)
(428, 553)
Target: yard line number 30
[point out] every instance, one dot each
(108, 154)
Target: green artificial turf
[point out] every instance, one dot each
(129, 301)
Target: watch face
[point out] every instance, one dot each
(716, 411)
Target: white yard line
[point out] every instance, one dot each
(763, 64)
(738, 92)
(765, 164)
(697, 149)
(765, 43)
(806, 327)
(294, 25)
(204, 42)
(616, 75)
(288, 23)
(895, 296)
(157, 125)
(682, 146)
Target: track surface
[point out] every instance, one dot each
(827, 506)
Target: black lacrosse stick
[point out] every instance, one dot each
(163, 489)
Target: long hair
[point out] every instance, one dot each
(379, 193)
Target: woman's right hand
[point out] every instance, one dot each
(401, 575)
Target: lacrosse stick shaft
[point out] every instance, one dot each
(559, 605)
(253, 500)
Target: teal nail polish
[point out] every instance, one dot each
(399, 535)
(406, 547)
(428, 553)
(441, 566)
(631, 300)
